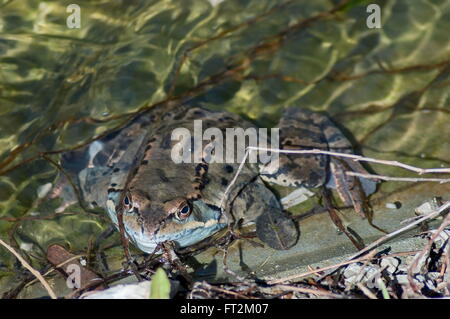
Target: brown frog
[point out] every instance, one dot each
(132, 171)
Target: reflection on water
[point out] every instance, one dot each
(60, 87)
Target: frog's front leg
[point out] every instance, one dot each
(302, 129)
(255, 202)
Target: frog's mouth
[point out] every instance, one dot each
(203, 222)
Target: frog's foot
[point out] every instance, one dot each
(352, 190)
(277, 230)
(170, 254)
(349, 188)
(354, 238)
(273, 226)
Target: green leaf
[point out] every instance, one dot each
(160, 286)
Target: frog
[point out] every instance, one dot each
(131, 173)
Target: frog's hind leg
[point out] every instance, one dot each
(306, 130)
(302, 129)
(352, 190)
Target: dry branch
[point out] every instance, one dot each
(31, 269)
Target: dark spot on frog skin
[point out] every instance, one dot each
(94, 203)
(199, 113)
(197, 179)
(162, 175)
(213, 207)
(224, 181)
(111, 190)
(228, 168)
(201, 169)
(116, 170)
(314, 178)
(166, 142)
(144, 162)
(113, 185)
(166, 116)
(334, 138)
(149, 146)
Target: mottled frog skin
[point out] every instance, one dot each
(131, 171)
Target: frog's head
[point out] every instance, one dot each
(149, 221)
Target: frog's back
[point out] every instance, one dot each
(165, 178)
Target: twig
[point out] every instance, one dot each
(308, 291)
(427, 247)
(228, 292)
(227, 190)
(31, 269)
(418, 170)
(381, 240)
(57, 266)
(399, 179)
(366, 291)
(344, 263)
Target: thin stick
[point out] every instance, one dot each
(413, 265)
(344, 263)
(389, 236)
(308, 291)
(55, 267)
(227, 190)
(399, 179)
(366, 291)
(229, 292)
(418, 170)
(31, 269)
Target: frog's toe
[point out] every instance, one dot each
(277, 230)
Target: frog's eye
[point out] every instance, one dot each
(183, 212)
(127, 202)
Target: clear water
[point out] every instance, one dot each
(387, 88)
